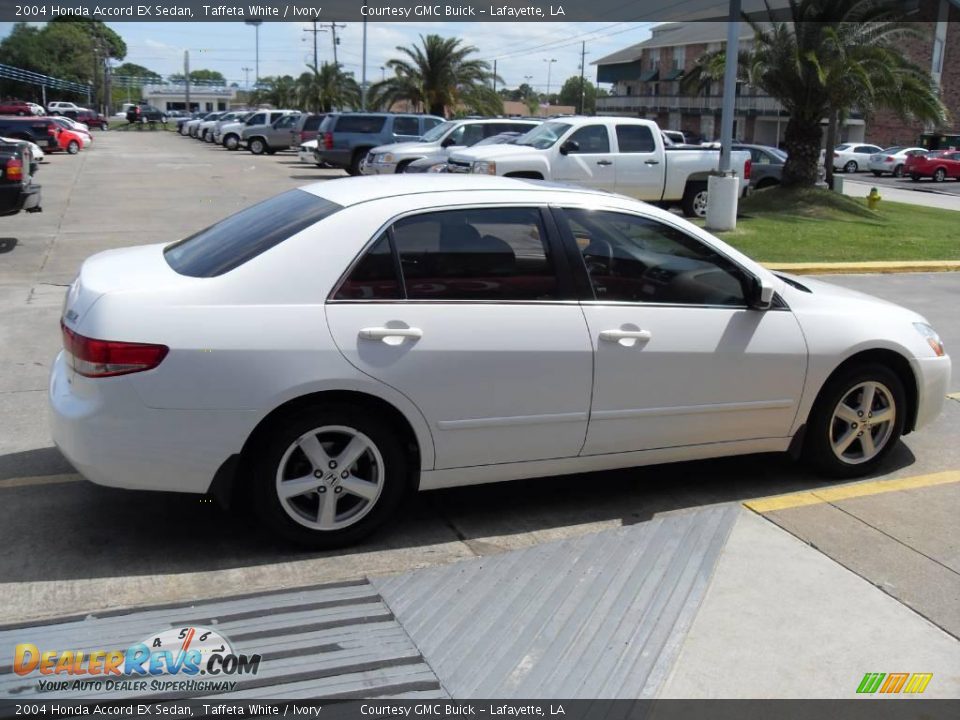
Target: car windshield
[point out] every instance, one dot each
(438, 131)
(544, 136)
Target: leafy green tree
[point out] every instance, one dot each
(439, 75)
(833, 56)
(279, 91)
(327, 88)
(570, 94)
(129, 69)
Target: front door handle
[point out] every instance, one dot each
(651, 162)
(391, 336)
(604, 162)
(626, 338)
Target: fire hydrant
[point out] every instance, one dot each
(873, 199)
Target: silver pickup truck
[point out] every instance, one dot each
(617, 154)
(266, 138)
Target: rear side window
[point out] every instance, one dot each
(234, 240)
(635, 139)
(406, 126)
(361, 124)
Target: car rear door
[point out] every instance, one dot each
(481, 331)
(640, 164)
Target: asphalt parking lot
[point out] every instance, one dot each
(74, 548)
(948, 187)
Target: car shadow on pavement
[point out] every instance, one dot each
(77, 530)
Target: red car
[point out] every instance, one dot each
(15, 107)
(939, 165)
(69, 141)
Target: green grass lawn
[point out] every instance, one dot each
(810, 225)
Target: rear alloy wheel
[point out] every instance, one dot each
(851, 167)
(73, 147)
(356, 161)
(257, 146)
(898, 171)
(694, 202)
(856, 421)
(231, 142)
(939, 175)
(329, 476)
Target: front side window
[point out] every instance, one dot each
(634, 259)
(591, 139)
(486, 254)
(544, 136)
(258, 119)
(431, 122)
(437, 131)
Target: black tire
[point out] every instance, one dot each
(257, 146)
(877, 173)
(358, 156)
(939, 175)
(285, 432)
(693, 203)
(898, 171)
(73, 147)
(231, 142)
(851, 167)
(914, 177)
(817, 449)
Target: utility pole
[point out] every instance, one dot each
(494, 75)
(583, 60)
(314, 31)
(549, 63)
(256, 24)
(186, 76)
(363, 72)
(246, 77)
(333, 30)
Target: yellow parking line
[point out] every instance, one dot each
(954, 396)
(845, 492)
(39, 480)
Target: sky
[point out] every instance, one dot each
(522, 49)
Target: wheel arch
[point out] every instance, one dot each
(526, 174)
(893, 360)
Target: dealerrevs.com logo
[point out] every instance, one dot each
(170, 661)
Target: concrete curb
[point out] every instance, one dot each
(874, 266)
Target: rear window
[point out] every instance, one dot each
(360, 123)
(312, 122)
(234, 240)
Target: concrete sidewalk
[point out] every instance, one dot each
(925, 197)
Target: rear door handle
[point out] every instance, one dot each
(604, 162)
(391, 336)
(630, 336)
(651, 162)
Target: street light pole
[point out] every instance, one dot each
(256, 24)
(549, 63)
(363, 72)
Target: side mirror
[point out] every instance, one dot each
(761, 295)
(447, 142)
(569, 146)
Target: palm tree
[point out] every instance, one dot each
(439, 76)
(326, 88)
(832, 57)
(276, 91)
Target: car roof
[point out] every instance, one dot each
(355, 190)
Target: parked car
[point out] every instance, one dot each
(205, 127)
(443, 139)
(15, 107)
(17, 189)
(766, 164)
(150, 113)
(438, 163)
(71, 138)
(58, 106)
(269, 138)
(231, 132)
(43, 131)
(892, 160)
(306, 129)
(617, 154)
(37, 109)
(186, 366)
(937, 165)
(307, 153)
(851, 157)
(89, 118)
(182, 122)
(37, 155)
(344, 139)
(675, 136)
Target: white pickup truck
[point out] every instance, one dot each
(623, 155)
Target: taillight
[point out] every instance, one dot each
(889, 158)
(108, 358)
(328, 141)
(836, 154)
(14, 169)
(747, 167)
(303, 136)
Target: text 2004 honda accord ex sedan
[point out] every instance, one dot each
(337, 346)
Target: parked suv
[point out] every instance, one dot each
(90, 118)
(230, 134)
(17, 189)
(58, 106)
(265, 138)
(306, 128)
(440, 140)
(344, 139)
(42, 131)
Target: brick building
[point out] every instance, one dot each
(645, 79)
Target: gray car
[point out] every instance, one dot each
(265, 138)
(441, 140)
(230, 133)
(766, 164)
(344, 139)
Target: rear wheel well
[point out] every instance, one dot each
(382, 408)
(767, 182)
(528, 174)
(899, 365)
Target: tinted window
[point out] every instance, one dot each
(406, 126)
(472, 134)
(592, 139)
(867, 149)
(374, 277)
(258, 119)
(430, 122)
(484, 254)
(633, 259)
(361, 124)
(240, 237)
(285, 122)
(312, 122)
(635, 139)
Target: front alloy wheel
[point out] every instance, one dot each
(940, 175)
(257, 147)
(863, 423)
(851, 167)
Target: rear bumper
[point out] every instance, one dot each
(17, 197)
(339, 158)
(106, 432)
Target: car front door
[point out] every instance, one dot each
(639, 166)
(679, 357)
(480, 331)
(585, 158)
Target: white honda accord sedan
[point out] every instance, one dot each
(337, 346)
